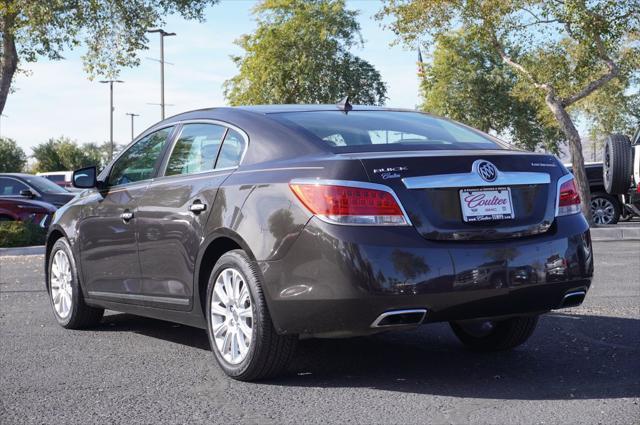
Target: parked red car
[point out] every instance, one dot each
(26, 210)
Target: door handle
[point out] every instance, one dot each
(126, 216)
(197, 207)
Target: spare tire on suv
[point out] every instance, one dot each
(617, 164)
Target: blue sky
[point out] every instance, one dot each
(58, 99)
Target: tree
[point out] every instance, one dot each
(113, 31)
(64, 154)
(468, 81)
(299, 53)
(12, 157)
(561, 50)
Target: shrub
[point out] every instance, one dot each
(21, 233)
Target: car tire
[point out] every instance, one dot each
(500, 335)
(617, 164)
(266, 354)
(63, 285)
(605, 209)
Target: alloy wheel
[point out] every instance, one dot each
(60, 283)
(231, 316)
(602, 211)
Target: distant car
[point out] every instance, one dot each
(61, 178)
(27, 186)
(605, 208)
(13, 209)
(621, 169)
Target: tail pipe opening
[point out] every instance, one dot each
(400, 318)
(573, 298)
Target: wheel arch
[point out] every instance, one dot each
(214, 247)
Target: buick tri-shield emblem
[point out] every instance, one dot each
(486, 170)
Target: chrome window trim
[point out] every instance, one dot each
(363, 185)
(224, 124)
(139, 297)
(472, 179)
(559, 184)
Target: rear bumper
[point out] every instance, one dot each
(337, 280)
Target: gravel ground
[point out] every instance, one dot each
(581, 366)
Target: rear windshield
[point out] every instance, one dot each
(365, 131)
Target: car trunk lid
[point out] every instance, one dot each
(429, 185)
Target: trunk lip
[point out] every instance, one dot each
(436, 153)
(472, 179)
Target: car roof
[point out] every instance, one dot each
(17, 175)
(276, 109)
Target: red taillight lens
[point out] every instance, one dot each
(568, 198)
(350, 205)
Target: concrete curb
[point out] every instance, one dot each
(26, 250)
(615, 233)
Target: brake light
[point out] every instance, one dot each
(568, 198)
(342, 204)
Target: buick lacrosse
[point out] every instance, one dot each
(267, 224)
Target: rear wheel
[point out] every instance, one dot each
(65, 294)
(617, 164)
(490, 335)
(241, 333)
(605, 209)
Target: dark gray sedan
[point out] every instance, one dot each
(266, 224)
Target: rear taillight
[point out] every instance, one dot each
(351, 203)
(568, 196)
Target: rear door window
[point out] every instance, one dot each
(232, 150)
(196, 149)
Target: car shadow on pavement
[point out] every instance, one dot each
(172, 332)
(570, 356)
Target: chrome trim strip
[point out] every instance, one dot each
(138, 297)
(363, 185)
(219, 123)
(278, 169)
(559, 183)
(376, 323)
(461, 180)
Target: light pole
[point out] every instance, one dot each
(163, 34)
(111, 113)
(132, 115)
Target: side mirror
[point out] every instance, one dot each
(85, 178)
(27, 193)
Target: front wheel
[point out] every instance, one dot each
(490, 335)
(65, 293)
(241, 334)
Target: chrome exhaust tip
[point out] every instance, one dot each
(400, 318)
(573, 298)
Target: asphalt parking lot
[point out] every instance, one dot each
(581, 366)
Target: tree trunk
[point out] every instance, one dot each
(575, 146)
(9, 60)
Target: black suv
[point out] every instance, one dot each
(266, 224)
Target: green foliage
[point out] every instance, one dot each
(12, 157)
(113, 31)
(468, 81)
(64, 154)
(21, 233)
(299, 53)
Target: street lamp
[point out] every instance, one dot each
(132, 115)
(110, 82)
(163, 34)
